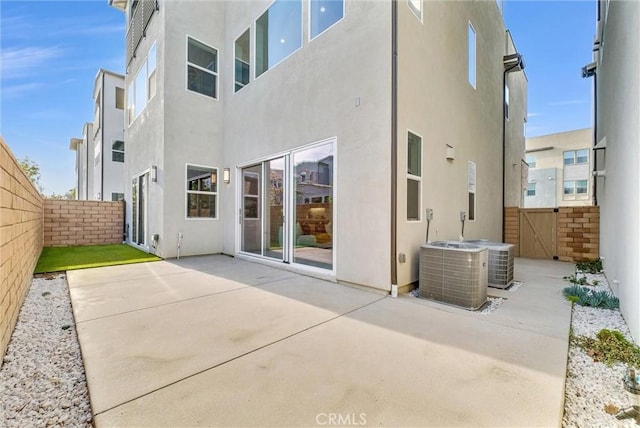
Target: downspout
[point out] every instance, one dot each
(595, 137)
(394, 144)
(102, 149)
(504, 141)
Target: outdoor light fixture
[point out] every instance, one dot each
(154, 173)
(226, 175)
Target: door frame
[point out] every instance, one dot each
(145, 246)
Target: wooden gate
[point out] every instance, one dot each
(538, 233)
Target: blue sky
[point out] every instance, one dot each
(50, 52)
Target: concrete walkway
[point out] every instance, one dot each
(218, 341)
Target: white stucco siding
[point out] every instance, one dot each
(437, 102)
(618, 112)
(337, 85)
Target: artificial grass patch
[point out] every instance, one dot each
(55, 259)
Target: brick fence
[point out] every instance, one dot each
(21, 239)
(70, 222)
(577, 232)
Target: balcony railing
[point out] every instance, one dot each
(138, 22)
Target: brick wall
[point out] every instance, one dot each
(512, 228)
(70, 222)
(578, 233)
(21, 211)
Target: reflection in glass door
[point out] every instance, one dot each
(287, 207)
(251, 218)
(313, 206)
(139, 186)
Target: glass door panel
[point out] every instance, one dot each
(251, 226)
(313, 206)
(274, 211)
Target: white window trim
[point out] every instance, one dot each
(574, 158)
(416, 12)
(187, 192)
(187, 64)
(118, 151)
(527, 189)
(253, 45)
(417, 178)
(344, 11)
(130, 108)
(474, 191)
(155, 70)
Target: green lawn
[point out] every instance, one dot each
(55, 259)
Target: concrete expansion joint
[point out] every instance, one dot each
(267, 345)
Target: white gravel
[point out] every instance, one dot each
(42, 380)
(590, 386)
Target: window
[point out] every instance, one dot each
(151, 72)
(416, 7)
(202, 68)
(531, 160)
(472, 55)
(414, 176)
(130, 105)
(569, 187)
(582, 156)
(117, 151)
(120, 98)
(581, 187)
(569, 157)
(506, 101)
(278, 34)
(472, 190)
(117, 197)
(202, 191)
(531, 189)
(324, 13)
(140, 91)
(242, 64)
(96, 114)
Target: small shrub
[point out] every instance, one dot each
(585, 297)
(591, 266)
(610, 347)
(572, 279)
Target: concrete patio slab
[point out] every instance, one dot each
(298, 351)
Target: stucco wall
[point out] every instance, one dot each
(71, 222)
(21, 238)
(437, 102)
(618, 86)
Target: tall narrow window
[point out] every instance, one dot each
(278, 34)
(472, 190)
(120, 98)
(117, 151)
(202, 191)
(130, 103)
(140, 91)
(151, 72)
(324, 13)
(414, 176)
(202, 68)
(416, 7)
(472, 55)
(242, 64)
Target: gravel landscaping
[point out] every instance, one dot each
(42, 380)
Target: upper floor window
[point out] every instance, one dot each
(531, 189)
(143, 87)
(242, 64)
(471, 36)
(278, 34)
(324, 13)
(117, 151)
(202, 68)
(572, 157)
(120, 98)
(202, 191)
(416, 7)
(506, 101)
(471, 175)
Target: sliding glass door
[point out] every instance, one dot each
(287, 207)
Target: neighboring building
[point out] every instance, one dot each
(84, 162)
(318, 133)
(560, 168)
(617, 148)
(100, 154)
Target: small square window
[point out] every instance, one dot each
(569, 187)
(582, 156)
(569, 157)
